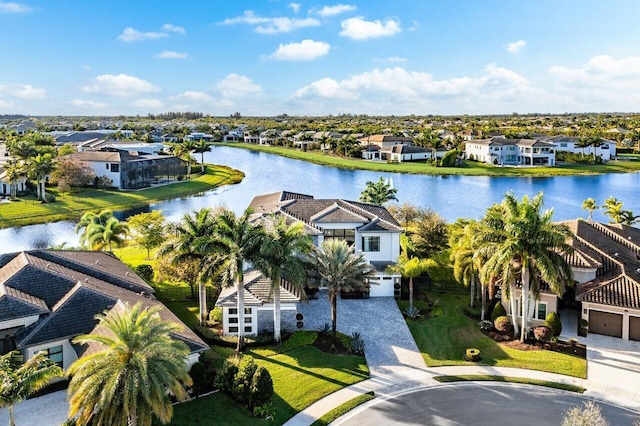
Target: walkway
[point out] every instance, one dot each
(50, 409)
(390, 347)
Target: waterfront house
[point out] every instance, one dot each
(606, 151)
(502, 151)
(48, 297)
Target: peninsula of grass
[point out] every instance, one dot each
(343, 409)
(301, 376)
(487, 378)
(28, 211)
(443, 341)
(471, 168)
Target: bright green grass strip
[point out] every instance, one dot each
(185, 310)
(487, 378)
(472, 169)
(343, 409)
(443, 341)
(301, 377)
(28, 211)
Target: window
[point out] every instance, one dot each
(107, 165)
(542, 311)
(370, 243)
(233, 329)
(233, 320)
(563, 145)
(248, 320)
(233, 311)
(247, 311)
(55, 355)
(349, 235)
(115, 168)
(248, 329)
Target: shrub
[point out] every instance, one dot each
(324, 329)
(357, 344)
(265, 411)
(144, 271)
(449, 159)
(261, 387)
(242, 380)
(590, 415)
(583, 327)
(472, 354)
(502, 324)
(198, 377)
(486, 325)
(215, 316)
(553, 322)
(498, 311)
(412, 312)
(226, 375)
(542, 333)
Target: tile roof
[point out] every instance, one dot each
(257, 292)
(68, 289)
(16, 304)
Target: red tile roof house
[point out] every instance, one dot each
(48, 297)
(370, 228)
(606, 269)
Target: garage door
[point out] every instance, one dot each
(605, 323)
(634, 328)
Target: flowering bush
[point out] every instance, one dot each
(542, 333)
(502, 324)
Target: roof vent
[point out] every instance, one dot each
(48, 266)
(615, 254)
(86, 280)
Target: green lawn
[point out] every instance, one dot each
(28, 211)
(343, 409)
(443, 341)
(472, 169)
(185, 310)
(300, 377)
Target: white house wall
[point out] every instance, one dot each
(583, 275)
(550, 299)
(100, 169)
(69, 355)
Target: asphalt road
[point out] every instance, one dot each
(481, 404)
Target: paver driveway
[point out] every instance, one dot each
(390, 347)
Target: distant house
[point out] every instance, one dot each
(126, 145)
(49, 297)
(258, 302)
(131, 169)
(606, 151)
(401, 153)
(199, 136)
(502, 151)
(385, 141)
(169, 137)
(5, 183)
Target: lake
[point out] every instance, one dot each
(451, 196)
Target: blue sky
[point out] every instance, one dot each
(315, 58)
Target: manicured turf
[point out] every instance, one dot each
(443, 341)
(485, 378)
(343, 409)
(472, 168)
(300, 377)
(71, 206)
(186, 310)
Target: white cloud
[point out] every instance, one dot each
(86, 67)
(325, 88)
(191, 100)
(82, 103)
(147, 104)
(329, 11)
(120, 85)
(271, 25)
(235, 86)
(359, 29)
(174, 29)
(130, 35)
(295, 7)
(194, 96)
(23, 91)
(170, 54)
(4, 104)
(306, 50)
(9, 7)
(392, 59)
(516, 46)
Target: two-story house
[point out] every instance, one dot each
(369, 228)
(514, 152)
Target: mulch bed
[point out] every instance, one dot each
(324, 342)
(508, 340)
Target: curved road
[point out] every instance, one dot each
(479, 403)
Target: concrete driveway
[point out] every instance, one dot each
(50, 409)
(390, 347)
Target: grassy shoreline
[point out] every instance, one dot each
(472, 168)
(28, 211)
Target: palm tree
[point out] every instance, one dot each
(529, 243)
(90, 218)
(112, 233)
(234, 241)
(466, 264)
(183, 151)
(590, 205)
(41, 166)
(595, 142)
(411, 267)
(281, 250)
(613, 209)
(133, 378)
(340, 269)
(378, 192)
(13, 170)
(201, 147)
(19, 380)
(185, 245)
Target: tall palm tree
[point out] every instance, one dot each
(40, 167)
(340, 269)
(281, 250)
(530, 244)
(131, 380)
(14, 170)
(590, 205)
(613, 208)
(112, 233)
(183, 151)
(19, 380)
(91, 218)
(466, 264)
(187, 238)
(235, 240)
(201, 147)
(378, 192)
(411, 267)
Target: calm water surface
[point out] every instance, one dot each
(451, 196)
